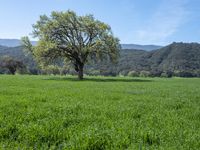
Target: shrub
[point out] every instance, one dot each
(51, 69)
(184, 74)
(144, 73)
(123, 73)
(167, 74)
(155, 73)
(133, 74)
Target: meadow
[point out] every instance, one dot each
(54, 112)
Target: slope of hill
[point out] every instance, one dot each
(12, 51)
(177, 56)
(178, 59)
(17, 53)
(12, 42)
(17, 42)
(140, 47)
(2, 48)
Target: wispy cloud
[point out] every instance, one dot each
(166, 20)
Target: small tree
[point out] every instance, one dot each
(11, 64)
(68, 37)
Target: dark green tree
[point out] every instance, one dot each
(11, 64)
(68, 37)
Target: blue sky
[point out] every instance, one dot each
(133, 21)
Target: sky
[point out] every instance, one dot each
(158, 22)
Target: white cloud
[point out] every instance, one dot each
(166, 20)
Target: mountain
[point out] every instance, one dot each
(17, 42)
(2, 48)
(12, 42)
(16, 52)
(176, 59)
(140, 47)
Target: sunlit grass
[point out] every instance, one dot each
(56, 112)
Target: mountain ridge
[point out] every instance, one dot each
(12, 42)
(141, 47)
(17, 42)
(177, 59)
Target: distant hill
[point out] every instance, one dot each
(2, 48)
(12, 42)
(176, 59)
(11, 51)
(17, 42)
(140, 47)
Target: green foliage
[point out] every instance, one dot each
(51, 69)
(77, 39)
(144, 73)
(18, 54)
(12, 65)
(165, 75)
(45, 112)
(177, 59)
(133, 74)
(27, 45)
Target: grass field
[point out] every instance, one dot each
(47, 112)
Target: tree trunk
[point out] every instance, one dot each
(80, 72)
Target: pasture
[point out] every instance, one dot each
(54, 112)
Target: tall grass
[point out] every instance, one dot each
(45, 112)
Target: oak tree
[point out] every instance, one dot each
(69, 37)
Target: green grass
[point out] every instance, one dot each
(46, 112)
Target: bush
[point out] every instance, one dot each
(123, 73)
(22, 71)
(155, 73)
(197, 73)
(92, 72)
(167, 74)
(33, 71)
(184, 74)
(133, 74)
(144, 74)
(51, 70)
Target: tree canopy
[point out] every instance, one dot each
(72, 38)
(11, 64)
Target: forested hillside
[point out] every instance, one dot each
(180, 58)
(18, 54)
(176, 59)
